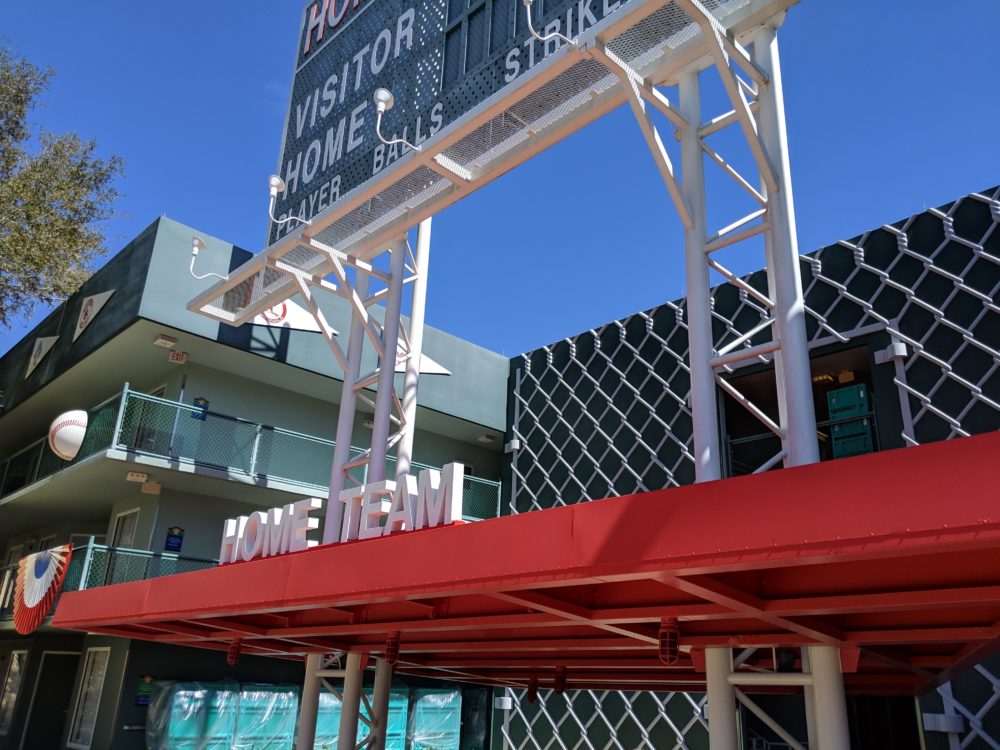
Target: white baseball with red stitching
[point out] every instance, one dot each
(66, 433)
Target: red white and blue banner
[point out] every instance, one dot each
(39, 578)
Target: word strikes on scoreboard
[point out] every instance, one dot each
(378, 509)
(439, 58)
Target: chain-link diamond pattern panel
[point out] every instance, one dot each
(602, 720)
(605, 413)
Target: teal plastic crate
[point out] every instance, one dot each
(848, 402)
(852, 445)
(848, 429)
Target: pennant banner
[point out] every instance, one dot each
(89, 309)
(39, 578)
(42, 347)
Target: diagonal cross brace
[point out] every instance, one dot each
(712, 29)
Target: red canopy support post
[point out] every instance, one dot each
(305, 735)
(722, 727)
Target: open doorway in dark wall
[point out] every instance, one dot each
(842, 397)
(50, 701)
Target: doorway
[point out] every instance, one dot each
(50, 700)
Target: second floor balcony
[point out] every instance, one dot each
(97, 565)
(147, 429)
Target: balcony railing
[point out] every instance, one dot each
(97, 565)
(147, 425)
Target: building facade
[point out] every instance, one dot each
(190, 422)
(903, 331)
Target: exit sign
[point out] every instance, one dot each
(177, 358)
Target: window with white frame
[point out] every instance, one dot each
(88, 699)
(12, 680)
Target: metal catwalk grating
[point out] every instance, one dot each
(395, 198)
(605, 413)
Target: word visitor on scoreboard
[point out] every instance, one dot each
(349, 48)
(379, 509)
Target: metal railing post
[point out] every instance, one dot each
(119, 417)
(253, 453)
(85, 571)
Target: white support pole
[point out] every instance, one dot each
(380, 704)
(345, 420)
(411, 380)
(305, 735)
(722, 729)
(795, 377)
(387, 367)
(350, 702)
(704, 407)
(810, 701)
(828, 698)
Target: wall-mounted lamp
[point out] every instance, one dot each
(384, 101)
(547, 37)
(197, 245)
(277, 185)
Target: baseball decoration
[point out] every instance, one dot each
(66, 434)
(39, 578)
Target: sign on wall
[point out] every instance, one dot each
(175, 539)
(42, 346)
(433, 498)
(89, 309)
(439, 58)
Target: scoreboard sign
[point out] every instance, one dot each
(439, 58)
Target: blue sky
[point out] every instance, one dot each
(891, 106)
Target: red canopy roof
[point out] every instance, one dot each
(894, 557)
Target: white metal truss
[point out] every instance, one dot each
(564, 91)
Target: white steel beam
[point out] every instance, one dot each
(345, 422)
(350, 703)
(712, 30)
(704, 407)
(829, 703)
(411, 378)
(723, 733)
(380, 705)
(384, 399)
(305, 734)
(795, 375)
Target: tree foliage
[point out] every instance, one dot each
(55, 191)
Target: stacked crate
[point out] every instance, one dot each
(851, 437)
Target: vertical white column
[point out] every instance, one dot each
(380, 704)
(387, 367)
(345, 419)
(305, 735)
(810, 701)
(785, 275)
(829, 699)
(411, 380)
(722, 726)
(704, 407)
(351, 702)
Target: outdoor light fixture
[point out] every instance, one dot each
(235, 649)
(485, 439)
(277, 185)
(167, 342)
(560, 681)
(369, 423)
(384, 101)
(669, 638)
(197, 245)
(392, 649)
(547, 37)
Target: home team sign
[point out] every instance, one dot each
(378, 509)
(439, 58)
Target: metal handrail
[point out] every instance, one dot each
(121, 441)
